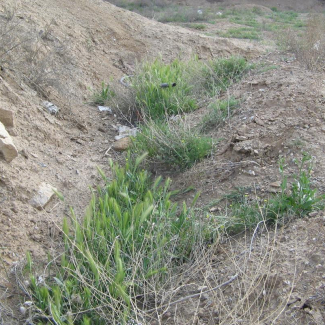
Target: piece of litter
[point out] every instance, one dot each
(51, 108)
(105, 109)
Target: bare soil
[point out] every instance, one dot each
(281, 114)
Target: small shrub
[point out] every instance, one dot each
(309, 48)
(172, 143)
(103, 96)
(131, 240)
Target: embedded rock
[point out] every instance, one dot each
(122, 144)
(7, 147)
(42, 198)
(6, 117)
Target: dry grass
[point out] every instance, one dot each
(33, 55)
(256, 296)
(309, 47)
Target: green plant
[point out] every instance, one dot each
(172, 143)
(301, 199)
(221, 73)
(129, 242)
(103, 96)
(218, 112)
(164, 89)
(198, 26)
(241, 32)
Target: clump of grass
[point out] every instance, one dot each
(218, 112)
(301, 199)
(103, 96)
(164, 89)
(223, 72)
(198, 26)
(172, 143)
(130, 241)
(241, 32)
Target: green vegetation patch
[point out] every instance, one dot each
(241, 32)
(295, 200)
(172, 143)
(164, 88)
(132, 238)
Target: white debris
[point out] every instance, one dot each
(51, 108)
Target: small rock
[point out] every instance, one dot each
(125, 131)
(105, 109)
(240, 138)
(22, 310)
(51, 108)
(313, 214)
(276, 184)
(43, 196)
(258, 121)
(7, 117)
(7, 146)
(244, 146)
(166, 315)
(121, 144)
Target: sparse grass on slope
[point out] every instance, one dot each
(162, 90)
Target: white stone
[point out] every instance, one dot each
(43, 196)
(7, 147)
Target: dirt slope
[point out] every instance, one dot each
(100, 41)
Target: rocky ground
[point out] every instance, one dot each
(281, 114)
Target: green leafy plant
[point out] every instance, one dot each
(103, 96)
(301, 198)
(131, 238)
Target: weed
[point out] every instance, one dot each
(241, 32)
(183, 15)
(103, 96)
(156, 101)
(297, 201)
(197, 26)
(130, 241)
(222, 72)
(218, 112)
(302, 199)
(172, 143)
